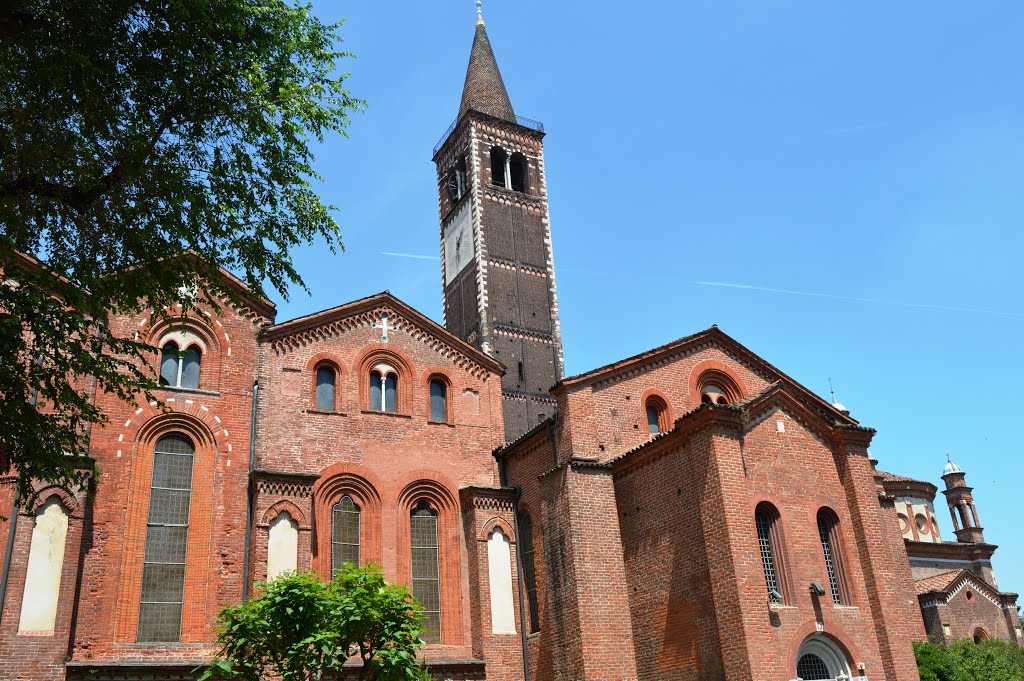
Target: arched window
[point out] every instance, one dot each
(383, 388)
(499, 167)
(766, 519)
(180, 369)
(455, 182)
(655, 410)
(45, 565)
(326, 377)
(517, 171)
(169, 359)
(828, 532)
(438, 401)
(529, 570)
(344, 534)
(426, 586)
(712, 394)
(163, 564)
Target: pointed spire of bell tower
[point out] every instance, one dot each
(484, 90)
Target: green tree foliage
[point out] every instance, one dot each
(965, 660)
(299, 628)
(131, 132)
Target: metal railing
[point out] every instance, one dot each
(521, 120)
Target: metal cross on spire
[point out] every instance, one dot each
(479, 13)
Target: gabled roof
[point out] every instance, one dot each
(713, 335)
(948, 584)
(484, 90)
(938, 583)
(281, 333)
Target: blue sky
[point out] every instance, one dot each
(839, 186)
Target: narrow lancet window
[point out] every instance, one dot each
(426, 585)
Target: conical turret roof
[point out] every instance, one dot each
(484, 90)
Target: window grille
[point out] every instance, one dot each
(344, 535)
(163, 564)
(764, 522)
(529, 571)
(426, 586)
(438, 402)
(810, 667)
(826, 528)
(325, 389)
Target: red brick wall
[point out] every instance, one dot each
(386, 462)
(965, 615)
(217, 418)
(38, 656)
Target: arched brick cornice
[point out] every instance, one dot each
(719, 373)
(488, 527)
(325, 358)
(67, 501)
(280, 506)
(332, 323)
(436, 488)
(194, 420)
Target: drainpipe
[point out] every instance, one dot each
(10, 548)
(523, 622)
(251, 495)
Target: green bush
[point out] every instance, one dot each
(965, 660)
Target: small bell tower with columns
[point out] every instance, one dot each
(966, 525)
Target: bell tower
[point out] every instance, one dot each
(497, 270)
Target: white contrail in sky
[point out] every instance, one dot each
(411, 255)
(857, 299)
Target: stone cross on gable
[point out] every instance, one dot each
(383, 326)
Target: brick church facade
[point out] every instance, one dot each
(687, 513)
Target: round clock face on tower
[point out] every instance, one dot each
(458, 244)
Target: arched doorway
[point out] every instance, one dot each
(819, 659)
(980, 635)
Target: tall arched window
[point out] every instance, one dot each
(517, 172)
(326, 377)
(426, 585)
(766, 520)
(180, 369)
(163, 564)
(438, 401)
(529, 569)
(344, 534)
(828, 532)
(383, 388)
(499, 167)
